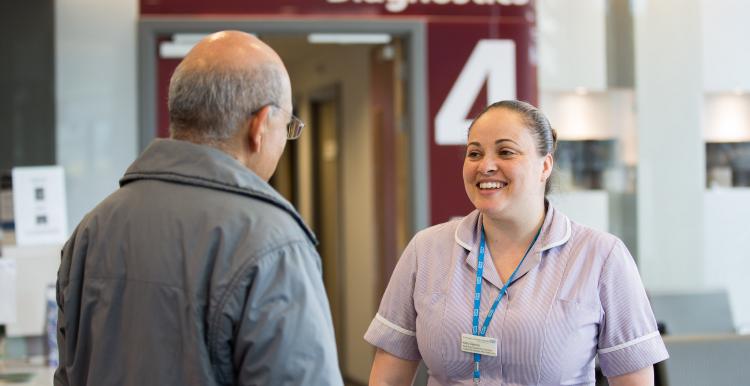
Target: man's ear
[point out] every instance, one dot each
(257, 128)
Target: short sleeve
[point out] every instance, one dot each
(394, 327)
(629, 339)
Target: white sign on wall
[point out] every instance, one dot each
(493, 61)
(39, 205)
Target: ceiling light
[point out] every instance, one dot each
(180, 45)
(338, 38)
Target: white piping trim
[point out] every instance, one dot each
(394, 326)
(562, 241)
(455, 235)
(628, 344)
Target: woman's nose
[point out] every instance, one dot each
(487, 165)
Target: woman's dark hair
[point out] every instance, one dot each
(541, 130)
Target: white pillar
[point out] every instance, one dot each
(671, 162)
(97, 132)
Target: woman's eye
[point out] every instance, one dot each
(473, 154)
(506, 152)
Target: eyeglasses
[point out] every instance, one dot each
(294, 126)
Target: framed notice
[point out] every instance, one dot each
(39, 205)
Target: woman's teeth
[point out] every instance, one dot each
(490, 185)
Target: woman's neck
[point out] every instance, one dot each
(514, 231)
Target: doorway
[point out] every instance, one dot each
(351, 184)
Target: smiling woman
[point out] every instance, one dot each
(506, 162)
(556, 293)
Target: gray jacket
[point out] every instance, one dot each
(194, 272)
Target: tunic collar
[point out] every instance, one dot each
(556, 231)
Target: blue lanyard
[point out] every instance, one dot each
(478, 297)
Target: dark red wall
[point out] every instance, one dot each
(322, 7)
(449, 45)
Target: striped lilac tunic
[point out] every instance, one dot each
(577, 294)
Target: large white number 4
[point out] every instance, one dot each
(492, 60)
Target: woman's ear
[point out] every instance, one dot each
(549, 162)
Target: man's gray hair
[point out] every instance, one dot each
(210, 103)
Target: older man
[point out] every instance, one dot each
(196, 271)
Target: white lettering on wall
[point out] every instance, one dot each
(397, 6)
(493, 61)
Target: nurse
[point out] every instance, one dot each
(515, 293)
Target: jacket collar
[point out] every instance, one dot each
(192, 164)
(556, 230)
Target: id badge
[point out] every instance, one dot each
(479, 345)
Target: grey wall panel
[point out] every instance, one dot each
(27, 84)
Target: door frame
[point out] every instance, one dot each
(413, 32)
(332, 93)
